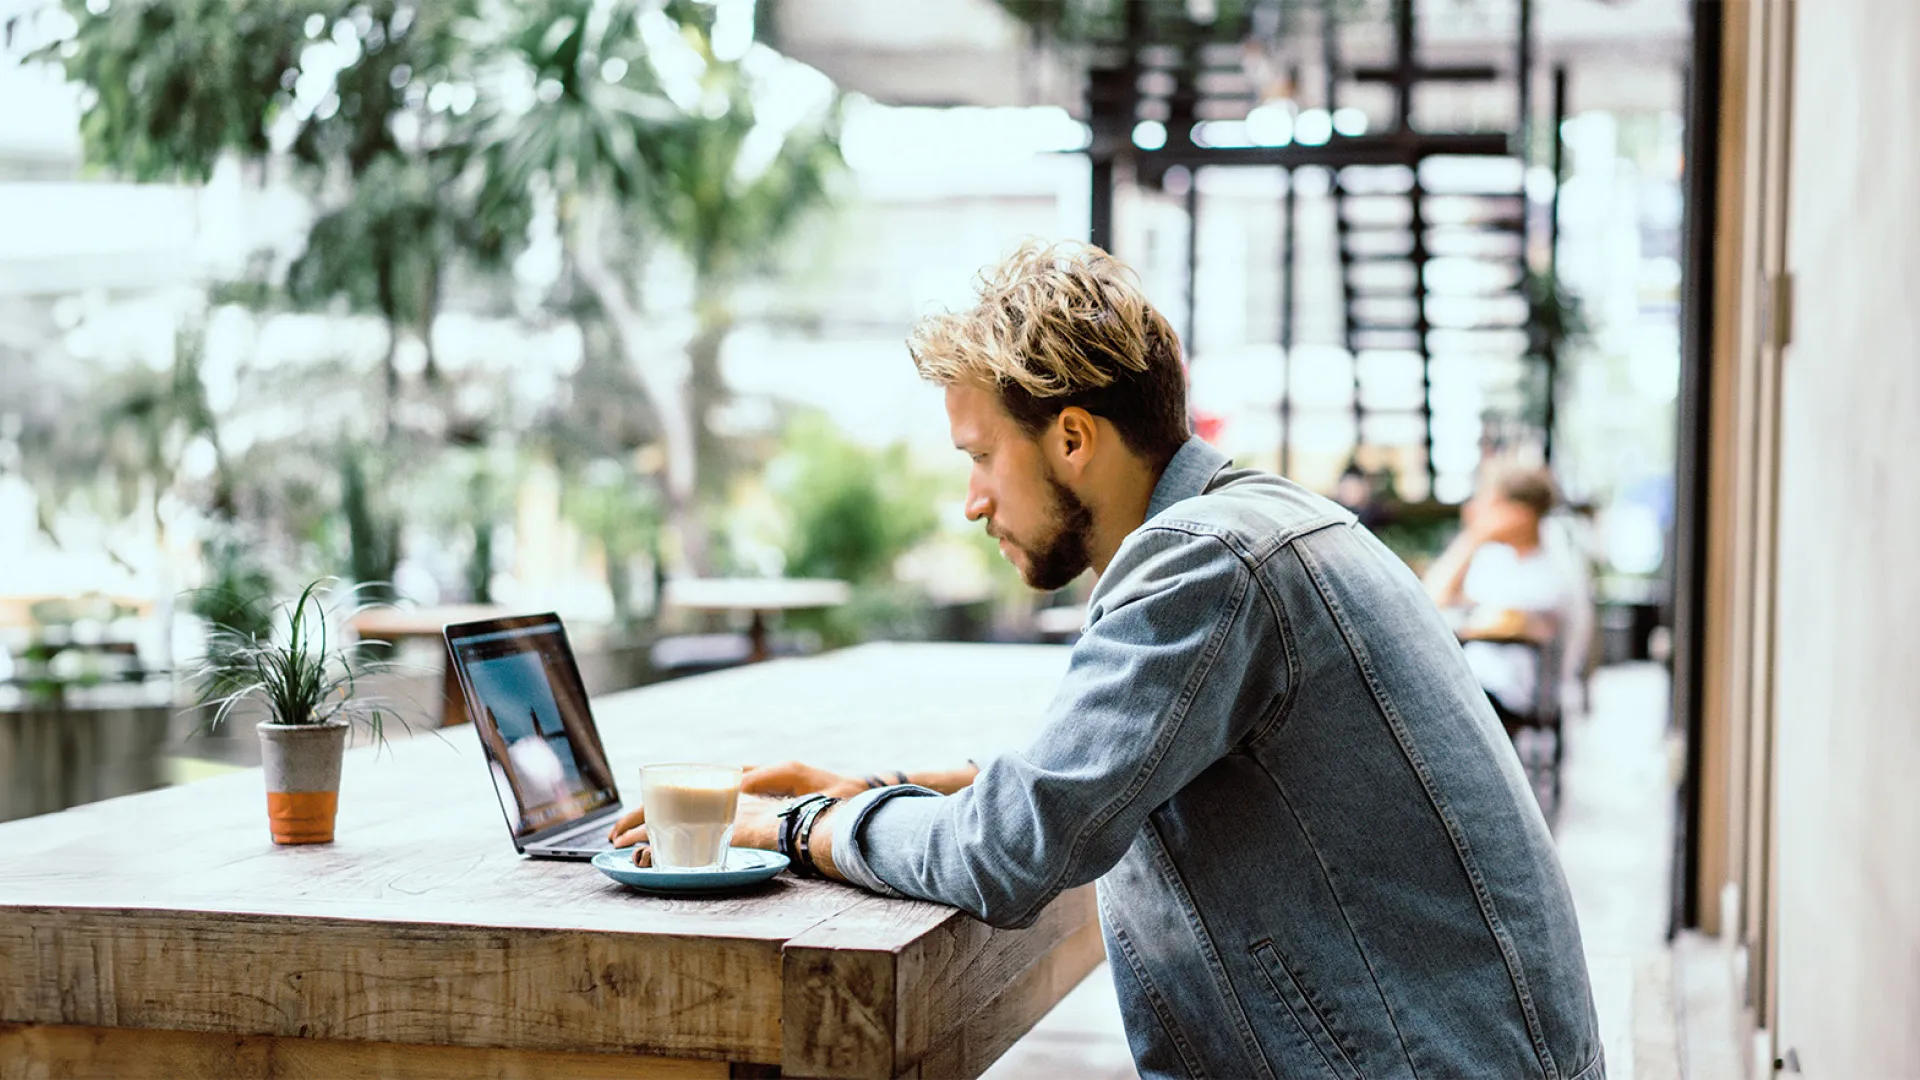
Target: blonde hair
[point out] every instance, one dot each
(1063, 325)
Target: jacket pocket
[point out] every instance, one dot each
(1307, 1017)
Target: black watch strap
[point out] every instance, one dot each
(804, 831)
(790, 819)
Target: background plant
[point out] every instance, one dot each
(851, 512)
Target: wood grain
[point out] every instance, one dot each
(1011, 1010)
(858, 1005)
(40, 1052)
(405, 983)
(950, 977)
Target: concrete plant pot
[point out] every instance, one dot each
(302, 764)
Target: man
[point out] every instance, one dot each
(1498, 568)
(1316, 854)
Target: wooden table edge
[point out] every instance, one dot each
(860, 1006)
(111, 942)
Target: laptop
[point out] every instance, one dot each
(529, 708)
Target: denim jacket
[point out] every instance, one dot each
(1317, 855)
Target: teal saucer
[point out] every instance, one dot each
(744, 867)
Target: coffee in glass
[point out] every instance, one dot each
(690, 811)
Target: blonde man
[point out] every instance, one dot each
(1315, 852)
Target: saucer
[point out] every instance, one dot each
(744, 867)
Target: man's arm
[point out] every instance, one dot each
(1448, 573)
(767, 788)
(795, 778)
(1178, 666)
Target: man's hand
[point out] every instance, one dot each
(792, 778)
(765, 790)
(1448, 574)
(756, 824)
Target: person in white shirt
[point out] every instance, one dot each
(1512, 589)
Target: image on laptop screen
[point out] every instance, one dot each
(530, 710)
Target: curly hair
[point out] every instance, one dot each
(1059, 326)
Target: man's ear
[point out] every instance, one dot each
(1078, 436)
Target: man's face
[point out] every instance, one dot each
(1042, 526)
(1501, 519)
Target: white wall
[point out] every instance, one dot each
(1848, 677)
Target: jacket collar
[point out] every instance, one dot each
(1189, 473)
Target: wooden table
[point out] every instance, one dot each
(398, 626)
(759, 597)
(163, 935)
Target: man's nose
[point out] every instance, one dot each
(978, 504)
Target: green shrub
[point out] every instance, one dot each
(852, 512)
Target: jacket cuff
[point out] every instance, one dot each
(850, 821)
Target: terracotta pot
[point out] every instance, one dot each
(303, 779)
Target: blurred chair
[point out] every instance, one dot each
(1545, 717)
(1570, 538)
(696, 654)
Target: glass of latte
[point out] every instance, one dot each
(690, 811)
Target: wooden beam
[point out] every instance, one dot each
(1420, 73)
(1713, 841)
(860, 1005)
(1340, 150)
(336, 979)
(975, 1044)
(34, 1051)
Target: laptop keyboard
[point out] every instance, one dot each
(590, 841)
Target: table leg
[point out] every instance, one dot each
(453, 703)
(757, 637)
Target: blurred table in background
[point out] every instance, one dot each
(86, 744)
(397, 626)
(759, 597)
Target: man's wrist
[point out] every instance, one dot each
(820, 843)
(846, 835)
(787, 822)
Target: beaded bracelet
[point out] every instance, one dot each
(805, 867)
(789, 821)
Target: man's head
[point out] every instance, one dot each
(1065, 387)
(1510, 503)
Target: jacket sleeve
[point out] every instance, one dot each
(1160, 686)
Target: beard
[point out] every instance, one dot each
(1056, 559)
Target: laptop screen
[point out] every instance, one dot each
(530, 710)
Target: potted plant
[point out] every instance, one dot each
(305, 678)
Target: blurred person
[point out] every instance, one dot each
(1314, 848)
(1354, 490)
(1508, 586)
